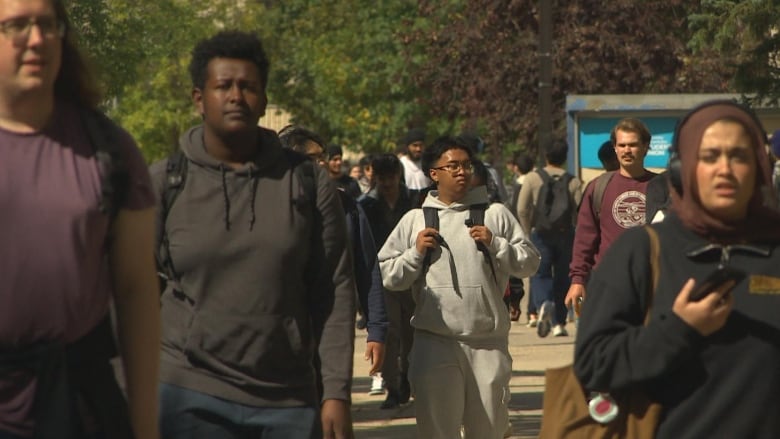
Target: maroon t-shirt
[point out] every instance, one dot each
(54, 280)
(622, 207)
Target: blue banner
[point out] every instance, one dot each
(595, 131)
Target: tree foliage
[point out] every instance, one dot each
(482, 58)
(141, 49)
(362, 72)
(338, 69)
(744, 34)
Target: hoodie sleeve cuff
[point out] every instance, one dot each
(676, 327)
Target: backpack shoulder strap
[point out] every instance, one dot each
(102, 134)
(477, 217)
(431, 217)
(175, 177)
(542, 173)
(598, 192)
(477, 214)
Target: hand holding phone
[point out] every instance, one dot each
(716, 279)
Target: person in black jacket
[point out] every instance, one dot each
(713, 364)
(366, 268)
(384, 205)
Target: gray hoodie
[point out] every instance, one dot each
(458, 296)
(260, 282)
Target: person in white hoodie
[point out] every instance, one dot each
(460, 364)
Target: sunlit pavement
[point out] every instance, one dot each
(531, 356)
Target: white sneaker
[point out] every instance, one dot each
(532, 322)
(377, 385)
(545, 318)
(559, 331)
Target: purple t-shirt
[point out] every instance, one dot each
(54, 280)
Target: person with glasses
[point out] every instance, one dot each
(68, 252)
(459, 366)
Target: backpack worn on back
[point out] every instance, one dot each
(555, 204)
(476, 218)
(176, 176)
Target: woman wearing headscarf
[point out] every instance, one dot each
(713, 364)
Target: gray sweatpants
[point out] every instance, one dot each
(457, 383)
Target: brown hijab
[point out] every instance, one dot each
(762, 223)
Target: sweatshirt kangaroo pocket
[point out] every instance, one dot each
(248, 349)
(443, 311)
(177, 315)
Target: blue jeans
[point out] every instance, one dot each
(187, 414)
(551, 281)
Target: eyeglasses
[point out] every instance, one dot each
(18, 29)
(455, 167)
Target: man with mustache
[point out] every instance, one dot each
(622, 204)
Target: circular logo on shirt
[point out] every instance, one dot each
(628, 210)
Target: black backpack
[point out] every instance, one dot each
(476, 218)
(555, 204)
(176, 176)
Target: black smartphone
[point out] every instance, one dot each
(714, 280)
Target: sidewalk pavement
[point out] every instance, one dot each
(531, 356)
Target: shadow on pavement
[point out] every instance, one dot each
(527, 373)
(526, 401)
(386, 432)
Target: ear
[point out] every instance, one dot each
(263, 103)
(433, 175)
(197, 99)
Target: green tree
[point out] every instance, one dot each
(141, 49)
(482, 59)
(745, 36)
(337, 67)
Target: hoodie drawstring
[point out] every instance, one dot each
(252, 202)
(225, 196)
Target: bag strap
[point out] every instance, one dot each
(598, 192)
(655, 268)
(477, 217)
(175, 177)
(431, 217)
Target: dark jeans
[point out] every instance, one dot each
(551, 281)
(398, 343)
(187, 414)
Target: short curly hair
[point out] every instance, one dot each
(228, 44)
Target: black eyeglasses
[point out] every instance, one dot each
(455, 167)
(18, 29)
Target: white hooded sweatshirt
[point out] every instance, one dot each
(458, 295)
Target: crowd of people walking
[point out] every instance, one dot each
(230, 277)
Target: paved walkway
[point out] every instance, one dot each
(531, 356)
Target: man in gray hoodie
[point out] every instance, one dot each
(259, 278)
(460, 364)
